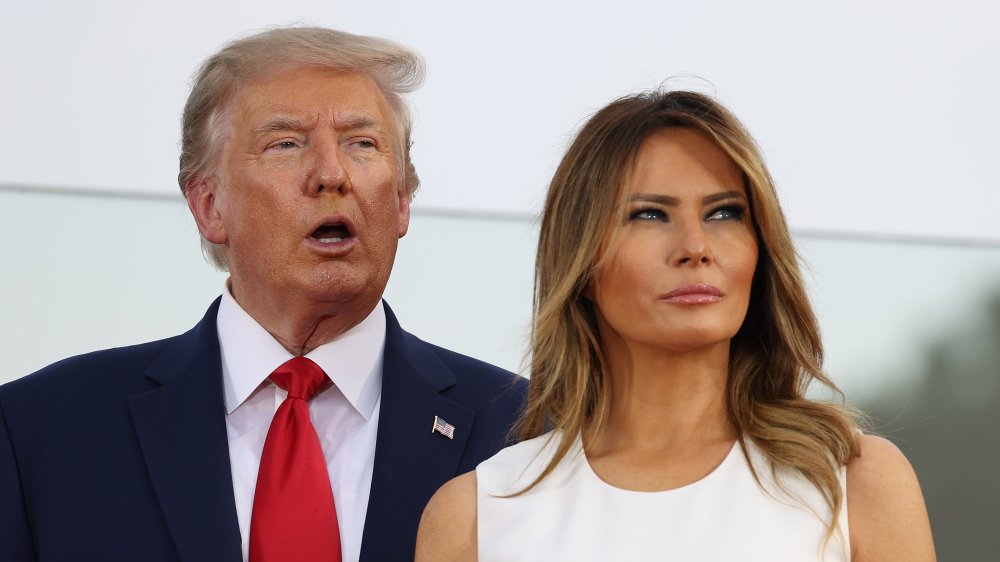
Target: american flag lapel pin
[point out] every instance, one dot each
(443, 427)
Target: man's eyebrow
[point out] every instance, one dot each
(348, 123)
(669, 201)
(359, 121)
(280, 123)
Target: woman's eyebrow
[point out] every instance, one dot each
(734, 194)
(671, 201)
(666, 200)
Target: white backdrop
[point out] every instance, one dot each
(877, 117)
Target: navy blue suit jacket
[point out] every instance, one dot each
(122, 454)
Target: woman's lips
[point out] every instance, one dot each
(702, 293)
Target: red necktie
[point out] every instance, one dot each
(294, 518)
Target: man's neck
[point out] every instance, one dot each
(298, 326)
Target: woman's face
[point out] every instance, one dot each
(679, 274)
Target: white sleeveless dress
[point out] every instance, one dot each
(573, 515)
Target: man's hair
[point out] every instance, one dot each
(774, 356)
(208, 113)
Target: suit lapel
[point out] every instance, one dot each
(182, 432)
(411, 461)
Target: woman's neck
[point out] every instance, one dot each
(662, 400)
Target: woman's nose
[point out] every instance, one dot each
(691, 246)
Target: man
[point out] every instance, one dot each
(295, 164)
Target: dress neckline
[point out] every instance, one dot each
(590, 473)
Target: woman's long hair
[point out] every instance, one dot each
(774, 356)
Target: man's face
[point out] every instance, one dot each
(309, 202)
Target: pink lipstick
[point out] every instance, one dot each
(702, 293)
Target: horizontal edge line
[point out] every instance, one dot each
(896, 238)
(444, 212)
(515, 216)
(90, 192)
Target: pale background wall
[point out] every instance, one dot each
(877, 117)
(879, 122)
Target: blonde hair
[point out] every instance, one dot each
(207, 120)
(774, 356)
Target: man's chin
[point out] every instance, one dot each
(343, 290)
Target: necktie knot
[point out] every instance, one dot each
(300, 376)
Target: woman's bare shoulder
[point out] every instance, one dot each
(886, 512)
(448, 526)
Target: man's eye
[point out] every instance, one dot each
(283, 145)
(364, 143)
(648, 214)
(729, 212)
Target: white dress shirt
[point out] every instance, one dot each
(345, 414)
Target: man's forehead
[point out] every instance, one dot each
(306, 94)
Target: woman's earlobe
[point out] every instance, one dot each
(588, 291)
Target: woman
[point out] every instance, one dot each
(672, 346)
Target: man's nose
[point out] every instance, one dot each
(327, 170)
(691, 247)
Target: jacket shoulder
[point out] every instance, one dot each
(88, 369)
(120, 369)
(468, 367)
(474, 375)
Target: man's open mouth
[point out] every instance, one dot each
(331, 233)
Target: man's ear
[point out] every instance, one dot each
(202, 196)
(404, 195)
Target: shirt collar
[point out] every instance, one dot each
(352, 360)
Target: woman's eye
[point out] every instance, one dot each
(729, 212)
(648, 215)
